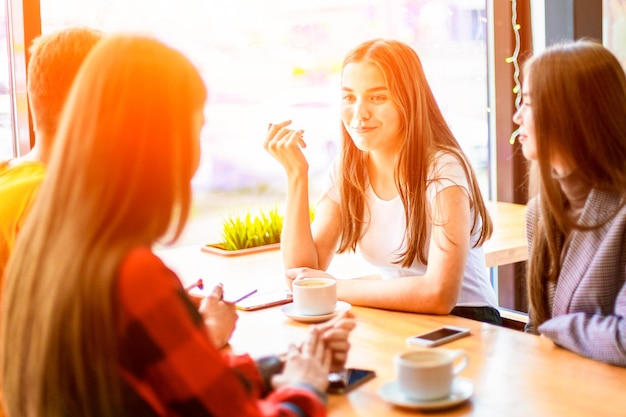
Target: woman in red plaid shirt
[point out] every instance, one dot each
(93, 323)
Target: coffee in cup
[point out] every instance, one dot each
(314, 296)
(426, 375)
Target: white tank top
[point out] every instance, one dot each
(382, 243)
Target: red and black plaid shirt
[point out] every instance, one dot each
(169, 361)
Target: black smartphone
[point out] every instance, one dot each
(264, 300)
(438, 337)
(347, 380)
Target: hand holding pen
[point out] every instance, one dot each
(219, 317)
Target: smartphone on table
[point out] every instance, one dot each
(264, 299)
(349, 379)
(438, 336)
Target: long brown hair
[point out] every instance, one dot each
(578, 104)
(119, 175)
(426, 133)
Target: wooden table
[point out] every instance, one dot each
(514, 374)
(508, 241)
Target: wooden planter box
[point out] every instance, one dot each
(218, 249)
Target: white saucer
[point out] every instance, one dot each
(462, 389)
(289, 311)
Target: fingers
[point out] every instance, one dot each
(293, 350)
(338, 343)
(318, 346)
(214, 297)
(312, 342)
(291, 275)
(276, 126)
(296, 274)
(310, 363)
(220, 319)
(286, 138)
(324, 354)
(317, 349)
(217, 292)
(327, 360)
(334, 335)
(304, 272)
(314, 345)
(345, 321)
(338, 328)
(279, 136)
(338, 360)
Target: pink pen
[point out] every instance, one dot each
(198, 284)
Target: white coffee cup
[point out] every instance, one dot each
(314, 296)
(425, 375)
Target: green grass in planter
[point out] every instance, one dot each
(249, 232)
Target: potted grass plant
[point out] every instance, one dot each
(248, 234)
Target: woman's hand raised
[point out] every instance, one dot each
(285, 145)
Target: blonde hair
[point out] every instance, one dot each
(120, 175)
(578, 96)
(55, 58)
(426, 133)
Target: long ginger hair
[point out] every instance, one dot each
(578, 104)
(426, 133)
(119, 177)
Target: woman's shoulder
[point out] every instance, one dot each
(447, 160)
(139, 258)
(445, 156)
(21, 171)
(142, 270)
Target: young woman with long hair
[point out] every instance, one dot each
(573, 128)
(402, 192)
(93, 323)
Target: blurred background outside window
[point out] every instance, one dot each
(268, 61)
(614, 28)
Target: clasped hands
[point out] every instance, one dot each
(324, 350)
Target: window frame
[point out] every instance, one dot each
(23, 25)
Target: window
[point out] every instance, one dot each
(614, 27)
(280, 59)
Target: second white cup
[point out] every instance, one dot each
(314, 296)
(425, 375)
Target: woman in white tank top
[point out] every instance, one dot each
(402, 192)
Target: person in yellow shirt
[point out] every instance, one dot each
(18, 187)
(54, 61)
